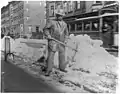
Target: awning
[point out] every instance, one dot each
(107, 10)
(96, 17)
(88, 14)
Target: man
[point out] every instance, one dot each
(56, 29)
(107, 34)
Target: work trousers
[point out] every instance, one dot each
(53, 47)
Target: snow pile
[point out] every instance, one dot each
(27, 52)
(91, 61)
(93, 66)
(91, 56)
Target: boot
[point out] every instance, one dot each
(63, 69)
(48, 73)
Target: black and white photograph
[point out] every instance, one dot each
(63, 46)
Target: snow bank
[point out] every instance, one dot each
(26, 51)
(93, 62)
(91, 56)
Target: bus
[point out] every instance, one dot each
(94, 27)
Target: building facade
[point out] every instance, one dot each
(5, 20)
(23, 17)
(16, 17)
(69, 7)
(35, 16)
(72, 8)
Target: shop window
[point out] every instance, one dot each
(79, 26)
(72, 27)
(95, 25)
(87, 26)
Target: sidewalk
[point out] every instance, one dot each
(17, 80)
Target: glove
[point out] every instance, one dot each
(66, 39)
(49, 37)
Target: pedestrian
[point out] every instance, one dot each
(56, 29)
(108, 34)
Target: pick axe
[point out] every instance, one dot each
(64, 44)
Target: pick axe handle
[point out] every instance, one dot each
(64, 44)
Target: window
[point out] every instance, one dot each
(95, 25)
(98, 1)
(58, 7)
(86, 25)
(78, 4)
(30, 28)
(52, 10)
(79, 26)
(37, 28)
(40, 3)
(27, 9)
(44, 4)
(27, 18)
(45, 13)
(11, 7)
(72, 27)
(21, 27)
(20, 15)
(70, 6)
(65, 7)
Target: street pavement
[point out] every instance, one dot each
(15, 79)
